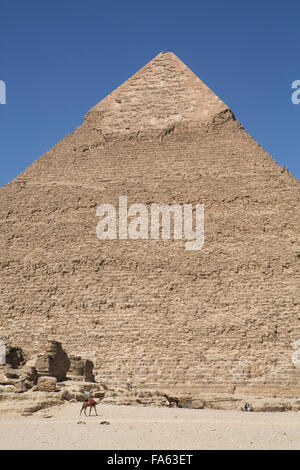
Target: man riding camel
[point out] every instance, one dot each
(90, 398)
(89, 402)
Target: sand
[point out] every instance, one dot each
(150, 428)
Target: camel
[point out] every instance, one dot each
(89, 404)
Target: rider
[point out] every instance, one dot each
(90, 397)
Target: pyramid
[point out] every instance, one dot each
(148, 312)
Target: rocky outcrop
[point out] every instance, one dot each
(14, 356)
(53, 362)
(48, 392)
(28, 403)
(45, 369)
(81, 369)
(21, 379)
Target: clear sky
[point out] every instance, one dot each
(61, 57)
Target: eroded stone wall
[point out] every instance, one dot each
(148, 311)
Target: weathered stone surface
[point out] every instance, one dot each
(27, 403)
(7, 389)
(191, 403)
(14, 356)
(31, 373)
(88, 371)
(76, 366)
(288, 391)
(148, 311)
(54, 361)
(70, 390)
(163, 93)
(81, 369)
(46, 384)
(22, 379)
(11, 373)
(22, 386)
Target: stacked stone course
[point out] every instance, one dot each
(148, 312)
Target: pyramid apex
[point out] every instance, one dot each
(163, 93)
(168, 52)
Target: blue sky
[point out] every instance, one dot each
(60, 58)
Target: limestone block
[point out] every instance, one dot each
(54, 361)
(81, 369)
(14, 356)
(46, 384)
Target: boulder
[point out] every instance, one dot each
(31, 374)
(22, 379)
(14, 356)
(81, 369)
(53, 362)
(66, 395)
(11, 373)
(7, 389)
(22, 386)
(46, 384)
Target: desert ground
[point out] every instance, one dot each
(136, 427)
